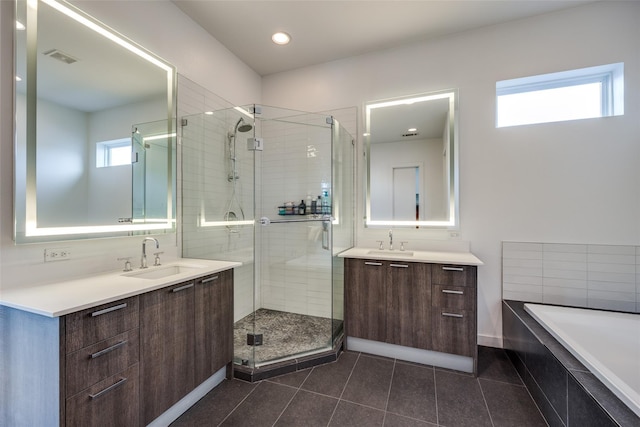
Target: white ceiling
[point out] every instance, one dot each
(326, 30)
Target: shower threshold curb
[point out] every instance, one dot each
(275, 369)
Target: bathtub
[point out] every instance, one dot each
(607, 343)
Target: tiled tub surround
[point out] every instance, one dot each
(579, 275)
(563, 388)
(606, 342)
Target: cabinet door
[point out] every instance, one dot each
(214, 323)
(409, 305)
(166, 347)
(111, 402)
(365, 299)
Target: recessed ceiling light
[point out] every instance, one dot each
(412, 130)
(281, 38)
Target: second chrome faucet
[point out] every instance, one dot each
(143, 259)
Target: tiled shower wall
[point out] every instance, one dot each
(295, 269)
(295, 272)
(580, 275)
(206, 190)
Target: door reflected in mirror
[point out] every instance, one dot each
(84, 90)
(412, 171)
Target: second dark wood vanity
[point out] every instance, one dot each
(421, 305)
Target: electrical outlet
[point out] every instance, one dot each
(57, 254)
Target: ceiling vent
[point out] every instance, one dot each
(60, 56)
(410, 134)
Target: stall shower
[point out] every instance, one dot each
(273, 189)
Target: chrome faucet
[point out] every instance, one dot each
(390, 240)
(143, 260)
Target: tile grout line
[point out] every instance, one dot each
(238, 405)
(294, 394)
(484, 399)
(343, 389)
(435, 392)
(386, 405)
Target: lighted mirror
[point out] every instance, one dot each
(412, 167)
(95, 135)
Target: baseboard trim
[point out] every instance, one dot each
(490, 341)
(173, 413)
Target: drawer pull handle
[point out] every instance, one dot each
(182, 288)
(108, 349)
(453, 268)
(460, 316)
(108, 389)
(399, 265)
(373, 263)
(210, 279)
(448, 291)
(109, 310)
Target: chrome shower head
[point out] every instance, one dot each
(243, 126)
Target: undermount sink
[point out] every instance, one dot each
(161, 272)
(390, 253)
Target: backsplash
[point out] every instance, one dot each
(580, 275)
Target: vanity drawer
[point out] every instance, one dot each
(454, 275)
(454, 297)
(111, 402)
(454, 331)
(89, 326)
(89, 365)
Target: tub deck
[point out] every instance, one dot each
(564, 389)
(607, 343)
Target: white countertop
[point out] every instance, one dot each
(437, 257)
(58, 299)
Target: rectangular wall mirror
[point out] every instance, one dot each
(95, 151)
(412, 161)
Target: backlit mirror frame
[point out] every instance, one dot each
(27, 10)
(452, 219)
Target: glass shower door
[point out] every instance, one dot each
(294, 315)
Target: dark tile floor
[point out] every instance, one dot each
(365, 390)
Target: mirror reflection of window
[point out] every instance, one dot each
(113, 153)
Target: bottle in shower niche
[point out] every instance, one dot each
(319, 206)
(326, 203)
(302, 208)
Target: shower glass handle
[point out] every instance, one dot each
(326, 221)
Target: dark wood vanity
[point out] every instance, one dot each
(413, 304)
(123, 363)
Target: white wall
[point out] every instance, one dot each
(560, 182)
(62, 152)
(165, 30)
